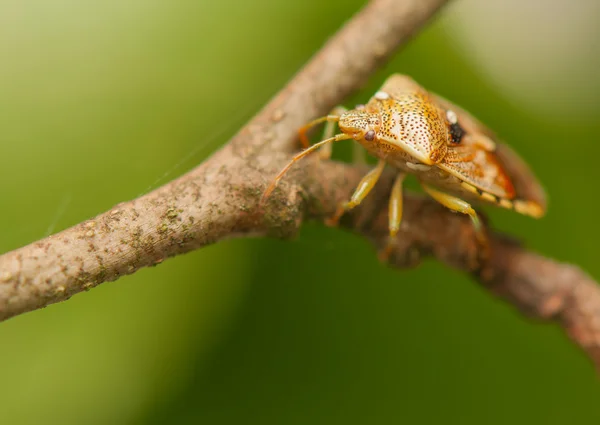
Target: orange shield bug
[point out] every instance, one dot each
(455, 158)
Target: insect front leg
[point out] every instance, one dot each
(394, 216)
(362, 190)
(456, 204)
(359, 153)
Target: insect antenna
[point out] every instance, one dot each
(302, 132)
(298, 157)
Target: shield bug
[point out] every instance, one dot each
(455, 158)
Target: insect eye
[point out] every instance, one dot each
(370, 136)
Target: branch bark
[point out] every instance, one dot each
(219, 199)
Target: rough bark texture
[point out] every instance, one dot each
(219, 199)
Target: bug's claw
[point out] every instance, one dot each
(480, 261)
(385, 253)
(331, 222)
(334, 220)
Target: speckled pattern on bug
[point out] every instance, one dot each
(455, 158)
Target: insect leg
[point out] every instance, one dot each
(394, 216)
(362, 190)
(458, 205)
(358, 153)
(454, 203)
(329, 131)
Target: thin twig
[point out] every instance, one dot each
(219, 199)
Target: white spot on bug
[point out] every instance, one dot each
(452, 118)
(381, 95)
(418, 167)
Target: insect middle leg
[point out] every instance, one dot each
(453, 203)
(362, 190)
(456, 204)
(394, 216)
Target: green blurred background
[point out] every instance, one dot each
(102, 100)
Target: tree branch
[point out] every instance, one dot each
(219, 199)
(539, 287)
